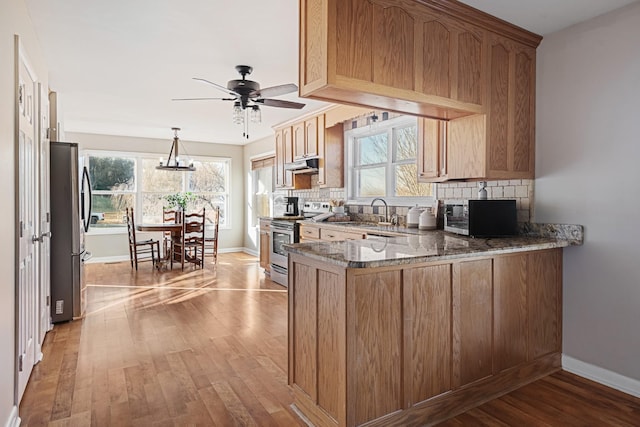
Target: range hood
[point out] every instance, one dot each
(309, 165)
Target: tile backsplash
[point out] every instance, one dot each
(520, 189)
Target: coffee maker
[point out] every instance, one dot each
(291, 206)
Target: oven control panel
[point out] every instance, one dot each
(316, 208)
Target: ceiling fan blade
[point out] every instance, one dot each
(217, 86)
(274, 90)
(203, 99)
(279, 103)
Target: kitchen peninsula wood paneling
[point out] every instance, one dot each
(414, 343)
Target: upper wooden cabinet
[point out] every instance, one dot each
(320, 135)
(432, 58)
(432, 150)
(398, 55)
(511, 116)
(306, 137)
(285, 179)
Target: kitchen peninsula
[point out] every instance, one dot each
(413, 330)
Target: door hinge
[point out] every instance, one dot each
(21, 228)
(20, 362)
(48, 300)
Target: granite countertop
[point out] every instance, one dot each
(415, 246)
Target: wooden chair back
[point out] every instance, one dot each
(191, 245)
(145, 250)
(211, 239)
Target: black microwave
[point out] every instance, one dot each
(481, 218)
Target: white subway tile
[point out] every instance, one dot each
(509, 192)
(522, 191)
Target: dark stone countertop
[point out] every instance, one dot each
(411, 246)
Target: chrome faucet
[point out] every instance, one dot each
(386, 208)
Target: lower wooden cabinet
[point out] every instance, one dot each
(396, 345)
(329, 234)
(265, 245)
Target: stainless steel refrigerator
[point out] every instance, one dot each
(70, 219)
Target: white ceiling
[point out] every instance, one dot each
(117, 64)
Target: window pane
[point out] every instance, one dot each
(372, 182)
(208, 177)
(209, 202)
(152, 204)
(263, 187)
(109, 210)
(160, 180)
(112, 173)
(406, 143)
(372, 149)
(407, 182)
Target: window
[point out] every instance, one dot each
(381, 160)
(113, 188)
(121, 180)
(262, 188)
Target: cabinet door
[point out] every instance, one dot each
(472, 321)
(510, 311)
(287, 143)
(452, 60)
(280, 155)
(545, 302)
(331, 149)
(298, 136)
(309, 232)
(335, 236)
(431, 150)
(265, 247)
(311, 134)
(427, 331)
(512, 110)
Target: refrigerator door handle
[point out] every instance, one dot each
(86, 218)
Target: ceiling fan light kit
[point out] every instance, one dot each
(173, 162)
(247, 97)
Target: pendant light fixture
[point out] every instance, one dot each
(174, 163)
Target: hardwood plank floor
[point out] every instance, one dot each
(208, 348)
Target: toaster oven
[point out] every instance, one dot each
(481, 218)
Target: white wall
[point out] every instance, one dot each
(588, 172)
(14, 19)
(115, 245)
(255, 149)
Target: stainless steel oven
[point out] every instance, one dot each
(283, 232)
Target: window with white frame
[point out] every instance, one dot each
(381, 162)
(121, 180)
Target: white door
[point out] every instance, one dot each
(27, 291)
(44, 211)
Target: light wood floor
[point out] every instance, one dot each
(208, 348)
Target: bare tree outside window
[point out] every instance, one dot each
(383, 161)
(115, 187)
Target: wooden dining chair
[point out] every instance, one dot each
(211, 238)
(190, 246)
(144, 250)
(169, 216)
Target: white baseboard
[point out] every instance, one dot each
(251, 252)
(14, 419)
(107, 259)
(121, 258)
(600, 375)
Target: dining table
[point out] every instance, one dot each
(174, 228)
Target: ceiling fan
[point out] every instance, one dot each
(247, 97)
